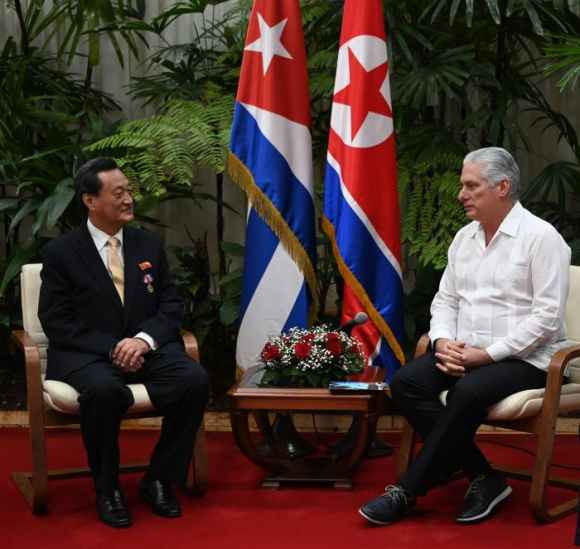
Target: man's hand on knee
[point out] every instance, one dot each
(128, 354)
(456, 359)
(474, 358)
(448, 352)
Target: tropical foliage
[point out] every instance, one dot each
(167, 148)
(559, 184)
(433, 215)
(42, 129)
(463, 74)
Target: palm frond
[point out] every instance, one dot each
(565, 57)
(166, 149)
(428, 192)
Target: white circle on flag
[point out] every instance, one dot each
(371, 52)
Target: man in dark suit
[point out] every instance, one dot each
(111, 312)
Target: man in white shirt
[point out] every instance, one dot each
(496, 321)
(112, 315)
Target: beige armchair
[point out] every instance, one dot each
(535, 411)
(53, 403)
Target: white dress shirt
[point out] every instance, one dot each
(508, 298)
(100, 238)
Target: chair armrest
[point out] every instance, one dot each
(556, 375)
(33, 372)
(30, 350)
(190, 343)
(422, 345)
(561, 359)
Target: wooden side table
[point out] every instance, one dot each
(247, 397)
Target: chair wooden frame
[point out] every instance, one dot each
(33, 485)
(543, 424)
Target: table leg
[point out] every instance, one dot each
(336, 470)
(241, 431)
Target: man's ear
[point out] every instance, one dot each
(88, 201)
(504, 187)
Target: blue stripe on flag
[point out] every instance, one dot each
(299, 313)
(387, 359)
(257, 257)
(362, 256)
(274, 178)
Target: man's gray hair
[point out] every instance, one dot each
(498, 164)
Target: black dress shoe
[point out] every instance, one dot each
(394, 504)
(158, 494)
(483, 494)
(113, 510)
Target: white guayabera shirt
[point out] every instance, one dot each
(508, 298)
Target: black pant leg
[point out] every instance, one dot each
(178, 388)
(415, 389)
(104, 399)
(450, 439)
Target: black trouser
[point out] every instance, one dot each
(177, 387)
(448, 432)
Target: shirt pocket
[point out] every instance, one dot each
(512, 279)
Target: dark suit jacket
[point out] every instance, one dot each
(80, 310)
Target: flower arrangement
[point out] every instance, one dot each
(310, 358)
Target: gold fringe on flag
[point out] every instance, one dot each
(268, 212)
(360, 292)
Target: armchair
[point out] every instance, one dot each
(54, 403)
(533, 411)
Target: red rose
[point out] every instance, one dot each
(334, 347)
(332, 336)
(307, 337)
(354, 349)
(302, 351)
(271, 352)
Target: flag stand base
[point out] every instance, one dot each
(287, 435)
(379, 448)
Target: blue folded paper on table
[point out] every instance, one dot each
(358, 386)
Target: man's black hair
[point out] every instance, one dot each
(87, 177)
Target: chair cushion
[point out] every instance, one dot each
(528, 403)
(63, 398)
(573, 320)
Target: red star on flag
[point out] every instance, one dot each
(363, 93)
(270, 42)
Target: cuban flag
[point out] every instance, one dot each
(361, 208)
(271, 159)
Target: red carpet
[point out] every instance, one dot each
(236, 513)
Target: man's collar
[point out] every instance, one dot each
(508, 226)
(512, 220)
(100, 237)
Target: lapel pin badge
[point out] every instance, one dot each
(147, 279)
(145, 265)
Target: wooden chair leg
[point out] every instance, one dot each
(198, 481)
(406, 449)
(34, 486)
(541, 477)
